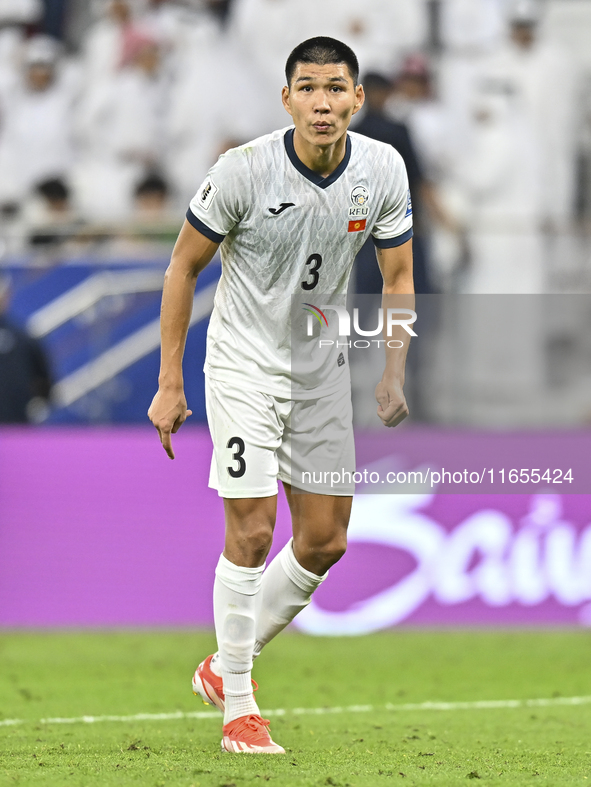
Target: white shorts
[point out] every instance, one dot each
(258, 438)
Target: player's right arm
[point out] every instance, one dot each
(192, 252)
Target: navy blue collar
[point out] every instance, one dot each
(310, 174)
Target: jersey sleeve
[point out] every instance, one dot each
(394, 224)
(222, 199)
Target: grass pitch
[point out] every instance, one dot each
(70, 675)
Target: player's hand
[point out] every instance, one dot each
(168, 412)
(392, 407)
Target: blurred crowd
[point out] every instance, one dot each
(112, 111)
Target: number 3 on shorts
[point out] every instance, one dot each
(238, 444)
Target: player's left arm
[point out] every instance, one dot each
(398, 292)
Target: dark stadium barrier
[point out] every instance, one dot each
(98, 323)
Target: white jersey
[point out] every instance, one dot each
(286, 231)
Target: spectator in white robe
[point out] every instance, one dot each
(36, 120)
(501, 175)
(380, 32)
(20, 12)
(175, 25)
(103, 43)
(415, 101)
(471, 26)
(208, 115)
(168, 16)
(542, 77)
(14, 15)
(516, 174)
(120, 128)
(263, 33)
(470, 30)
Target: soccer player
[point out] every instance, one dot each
(286, 210)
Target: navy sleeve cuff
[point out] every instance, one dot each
(203, 228)
(391, 243)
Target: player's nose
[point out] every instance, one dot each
(322, 103)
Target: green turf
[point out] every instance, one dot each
(68, 675)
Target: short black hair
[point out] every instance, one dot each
(322, 50)
(53, 190)
(152, 183)
(373, 80)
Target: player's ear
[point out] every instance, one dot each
(285, 99)
(359, 98)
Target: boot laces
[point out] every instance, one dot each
(254, 723)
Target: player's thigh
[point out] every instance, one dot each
(246, 433)
(317, 454)
(318, 518)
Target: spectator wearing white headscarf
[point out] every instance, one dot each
(103, 43)
(14, 15)
(217, 100)
(120, 131)
(541, 75)
(519, 168)
(36, 119)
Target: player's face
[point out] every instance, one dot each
(321, 101)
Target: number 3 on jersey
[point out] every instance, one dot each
(314, 261)
(238, 444)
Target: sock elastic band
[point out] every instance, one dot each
(239, 578)
(300, 576)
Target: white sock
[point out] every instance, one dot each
(215, 665)
(234, 596)
(285, 590)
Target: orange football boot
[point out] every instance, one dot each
(249, 735)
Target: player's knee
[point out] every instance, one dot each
(332, 552)
(250, 544)
(249, 532)
(319, 555)
(259, 540)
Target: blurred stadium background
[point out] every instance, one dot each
(111, 112)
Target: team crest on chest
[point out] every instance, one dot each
(359, 196)
(359, 210)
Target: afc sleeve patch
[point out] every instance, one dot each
(408, 205)
(206, 194)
